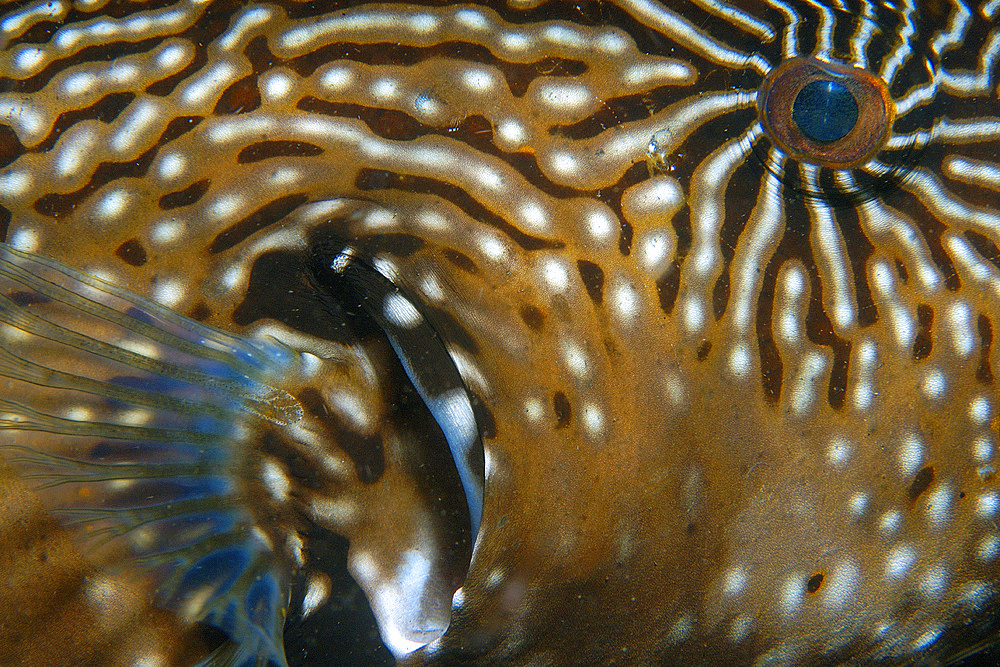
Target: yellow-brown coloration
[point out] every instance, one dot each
(738, 408)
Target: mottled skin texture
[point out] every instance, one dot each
(723, 420)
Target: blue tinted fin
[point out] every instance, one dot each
(429, 366)
(135, 425)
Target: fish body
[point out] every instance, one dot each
(605, 333)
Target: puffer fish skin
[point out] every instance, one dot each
(719, 366)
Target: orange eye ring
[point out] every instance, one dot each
(777, 98)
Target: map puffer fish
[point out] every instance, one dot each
(624, 332)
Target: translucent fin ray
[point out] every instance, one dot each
(134, 425)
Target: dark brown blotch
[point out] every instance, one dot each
(901, 271)
(461, 260)
(562, 409)
(921, 482)
(242, 96)
(262, 218)
(923, 344)
(485, 420)
(593, 280)
(984, 373)
(704, 349)
(5, 218)
(533, 317)
(262, 150)
(200, 312)
(131, 252)
(185, 197)
(814, 582)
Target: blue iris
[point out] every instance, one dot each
(825, 111)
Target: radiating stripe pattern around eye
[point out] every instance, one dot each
(716, 280)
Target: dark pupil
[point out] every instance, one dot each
(825, 111)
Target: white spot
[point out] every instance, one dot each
(838, 452)
(171, 56)
(927, 638)
(890, 522)
(627, 301)
(987, 505)
(565, 96)
(112, 204)
(655, 250)
(423, 24)
(939, 506)
(168, 292)
(426, 105)
(78, 413)
(489, 463)
(858, 503)
(899, 561)
(276, 85)
(493, 247)
(988, 547)
(27, 57)
(225, 206)
(431, 287)
(739, 361)
(533, 410)
(975, 593)
(331, 512)
(400, 312)
(14, 183)
(592, 419)
(432, 220)
(350, 407)
(78, 83)
(171, 166)
(741, 627)
(576, 359)
(337, 78)
(910, 455)
(962, 337)
(674, 388)
(276, 480)
(534, 215)
(734, 581)
(982, 449)
(601, 225)
(932, 584)
(556, 274)
(694, 314)
(934, 384)
(979, 410)
(841, 585)
(478, 80)
(680, 630)
(792, 593)
(511, 133)
(24, 238)
(384, 89)
(317, 592)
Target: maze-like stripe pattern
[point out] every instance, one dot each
(735, 392)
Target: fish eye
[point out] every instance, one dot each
(825, 111)
(827, 114)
